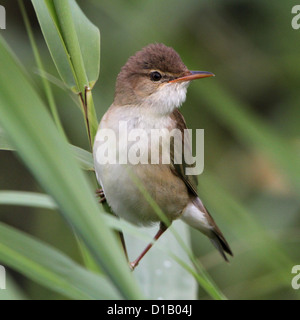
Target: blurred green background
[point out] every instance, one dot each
(250, 112)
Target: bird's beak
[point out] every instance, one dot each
(192, 75)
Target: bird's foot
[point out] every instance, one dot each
(133, 265)
(100, 194)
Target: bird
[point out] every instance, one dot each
(150, 89)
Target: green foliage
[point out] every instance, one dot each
(73, 41)
(49, 267)
(250, 114)
(48, 157)
(74, 44)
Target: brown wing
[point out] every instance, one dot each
(191, 181)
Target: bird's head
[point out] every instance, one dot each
(155, 78)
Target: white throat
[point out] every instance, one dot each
(166, 99)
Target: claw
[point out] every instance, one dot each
(132, 265)
(101, 195)
(102, 200)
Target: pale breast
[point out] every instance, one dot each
(121, 190)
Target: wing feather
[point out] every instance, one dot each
(191, 181)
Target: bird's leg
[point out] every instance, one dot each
(162, 229)
(100, 194)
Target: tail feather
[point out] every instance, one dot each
(221, 244)
(197, 216)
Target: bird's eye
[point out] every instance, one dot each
(155, 76)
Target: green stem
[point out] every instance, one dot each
(68, 30)
(64, 14)
(47, 88)
(92, 117)
(88, 259)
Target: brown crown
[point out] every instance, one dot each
(157, 57)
